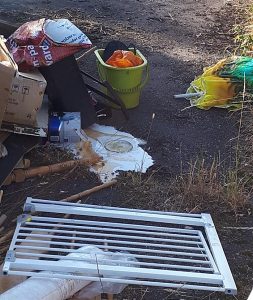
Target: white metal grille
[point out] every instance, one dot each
(175, 250)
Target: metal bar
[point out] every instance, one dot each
(92, 78)
(108, 261)
(105, 270)
(124, 281)
(219, 255)
(174, 235)
(116, 96)
(6, 265)
(209, 254)
(188, 215)
(15, 235)
(189, 95)
(116, 214)
(114, 225)
(90, 87)
(129, 237)
(102, 246)
(140, 256)
(94, 240)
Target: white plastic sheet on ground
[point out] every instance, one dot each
(119, 150)
(134, 159)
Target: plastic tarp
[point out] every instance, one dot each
(221, 85)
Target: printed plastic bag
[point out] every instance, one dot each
(44, 42)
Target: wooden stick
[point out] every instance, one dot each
(21, 175)
(90, 191)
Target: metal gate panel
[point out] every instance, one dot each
(176, 250)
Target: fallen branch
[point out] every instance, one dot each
(90, 191)
(21, 175)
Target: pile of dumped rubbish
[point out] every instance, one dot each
(45, 99)
(61, 248)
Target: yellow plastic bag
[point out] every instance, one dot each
(217, 91)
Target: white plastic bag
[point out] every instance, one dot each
(96, 288)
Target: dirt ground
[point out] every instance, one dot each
(178, 38)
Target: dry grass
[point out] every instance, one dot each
(201, 188)
(206, 187)
(244, 34)
(200, 182)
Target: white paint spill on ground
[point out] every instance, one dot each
(110, 144)
(135, 159)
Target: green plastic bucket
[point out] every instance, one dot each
(127, 82)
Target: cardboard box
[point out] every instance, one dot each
(8, 69)
(21, 96)
(25, 98)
